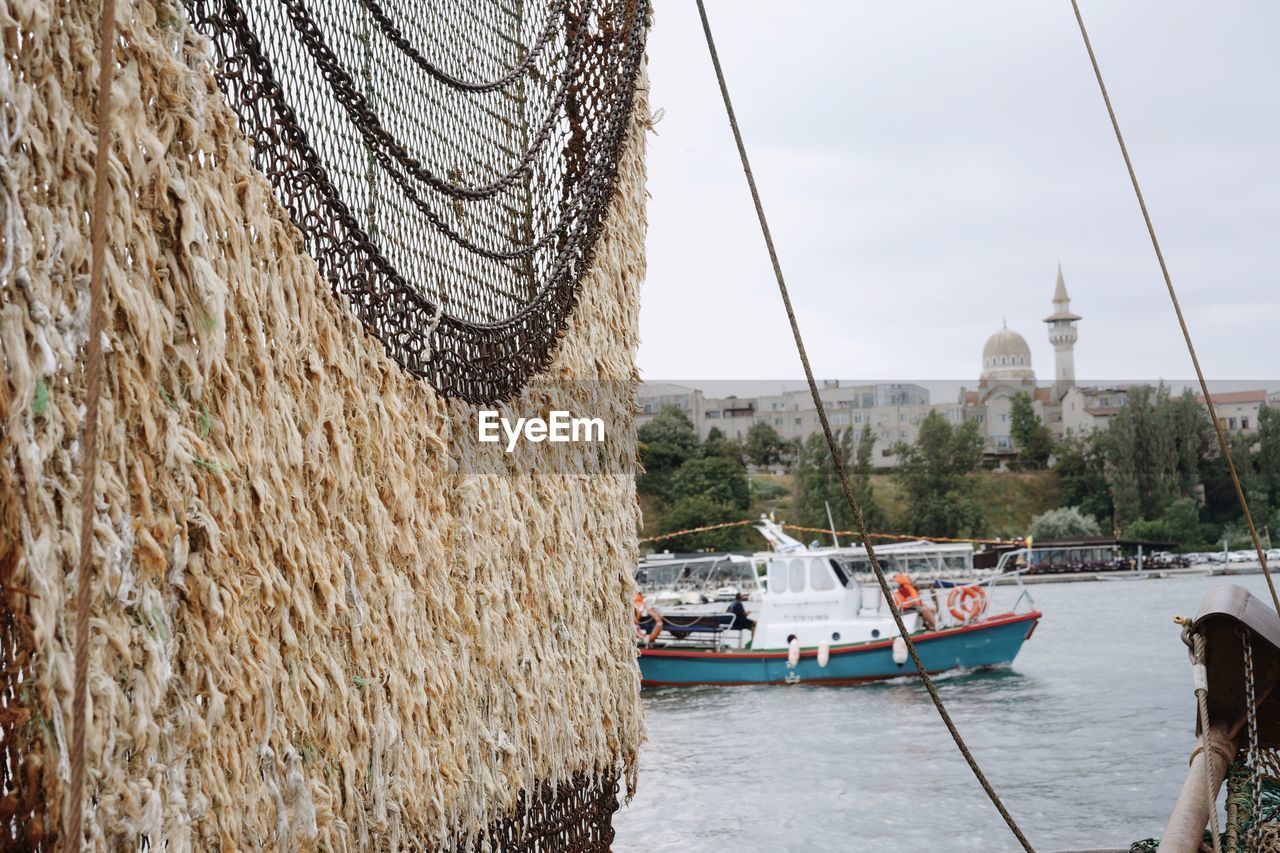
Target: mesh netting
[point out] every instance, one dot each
(1245, 831)
(316, 624)
(448, 164)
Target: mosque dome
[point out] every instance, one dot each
(1006, 356)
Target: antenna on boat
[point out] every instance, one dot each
(832, 522)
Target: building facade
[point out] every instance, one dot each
(894, 411)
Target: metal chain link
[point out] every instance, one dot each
(478, 359)
(396, 37)
(1251, 716)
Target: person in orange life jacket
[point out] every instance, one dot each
(646, 615)
(907, 597)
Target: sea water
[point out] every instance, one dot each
(1086, 738)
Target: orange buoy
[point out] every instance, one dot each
(967, 603)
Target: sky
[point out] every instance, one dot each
(926, 166)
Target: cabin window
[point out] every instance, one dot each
(819, 578)
(840, 574)
(795, 576)
(777, 576)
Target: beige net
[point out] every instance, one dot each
(311, 628)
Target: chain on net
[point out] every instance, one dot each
(448, 166)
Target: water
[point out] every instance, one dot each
(1086, 739)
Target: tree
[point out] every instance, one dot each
(872, 514)
(700, 511)
(816, 483)
(666, 442)
(1066, 522)
(1030, 436)
(764, 448)
(936, 476)
(1268, 455)
(1143, 457)
(1179, 524)
(720, 479)
(1082, 469)
(717, 445)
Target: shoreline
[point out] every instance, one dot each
(1198, 570)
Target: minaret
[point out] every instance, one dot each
(1062, 334)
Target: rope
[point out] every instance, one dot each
(687, 531)
(1177, 309)
(89, 441)
(906, 537)
(1202, 707)
(835, 454)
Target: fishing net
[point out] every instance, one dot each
(448, 164)
(323, 616)
(1245, 831)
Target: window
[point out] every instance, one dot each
(819, 578)
(777, 576)
(1244, 423)
(840, 573)
(795, 575)
(1231, 422)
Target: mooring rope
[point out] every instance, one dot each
(1177, 309)
(908, 537)
(89, 439)
(1202, 709)
(835, 454)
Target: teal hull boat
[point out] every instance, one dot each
(986, 643)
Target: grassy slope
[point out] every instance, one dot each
(1009, 500)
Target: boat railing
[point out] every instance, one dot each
(1022, 603)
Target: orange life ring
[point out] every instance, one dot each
(967, 603)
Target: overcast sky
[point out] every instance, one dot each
(927, 164)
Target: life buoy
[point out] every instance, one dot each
(967, 603)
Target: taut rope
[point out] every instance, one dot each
(89, 440)
(1177, 309)
(839, 461)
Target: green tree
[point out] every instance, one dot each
(1082, 469)
(717, 445)
(666, 442)
(1030, 436)
(1143, 457)
(1066, 522)
(816, 483)
(1179, 523)
(720, 479)
(936, 477)
(872, 513)
(764, 448)
(700, 511)
(1268, 456)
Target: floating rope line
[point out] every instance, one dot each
(906, 537)
(491, 192)
(89, 439)
(1177, 309)
(836, 456)
(690, 530)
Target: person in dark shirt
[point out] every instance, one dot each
(741, 621)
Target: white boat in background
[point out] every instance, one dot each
(824, 619)
(688, 582)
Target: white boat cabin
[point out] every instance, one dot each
(818, 599)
